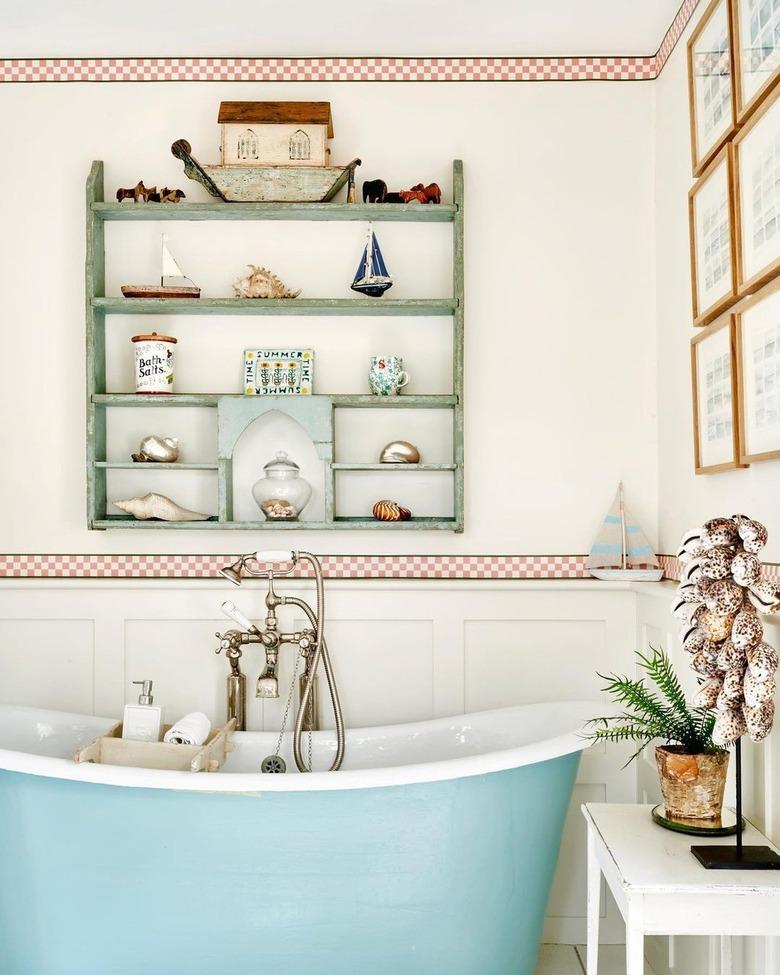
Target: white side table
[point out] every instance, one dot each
(660, 888)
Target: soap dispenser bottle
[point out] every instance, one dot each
(143, 721)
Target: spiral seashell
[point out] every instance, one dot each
(399, 452)
(390, 511)
(764, 596)
(262, 283)
(762, 661)
(707, 694)
(724, 597)
(703, 665)
(732, 684)
(746, 569)
(715, 626)
(729, 657)
(753, 534)
(719, 531)
(746, 631)
(758, 691)
(716, 563)
(161, 450)
(730, 725)
(158, 506)
(759, 720)
(691, 546)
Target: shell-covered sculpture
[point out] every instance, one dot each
(720, 597)
(160, 507)
(390, 511)
(159, 450)
(399, 452)
(262, 283)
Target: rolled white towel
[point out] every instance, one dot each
(192, 729)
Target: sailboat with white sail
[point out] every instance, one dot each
(173, 284)
(621, 550)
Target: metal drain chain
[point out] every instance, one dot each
(275, 763)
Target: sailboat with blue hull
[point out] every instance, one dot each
(621, 550)
(372, 277)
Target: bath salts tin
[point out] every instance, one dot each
(154, 363)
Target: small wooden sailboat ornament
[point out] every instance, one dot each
(621, 550)
(372, 277)
(173, 284)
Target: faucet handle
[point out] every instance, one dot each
(232, 611)
(229, 642)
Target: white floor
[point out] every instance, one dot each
(566, 960)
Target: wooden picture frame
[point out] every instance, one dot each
(712, 231)
(714, 391)
(756, 196)
(711, 96)
(757, 354)
(756, 30)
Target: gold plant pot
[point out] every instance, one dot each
(692, 786)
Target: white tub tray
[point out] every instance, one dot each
(113, 749)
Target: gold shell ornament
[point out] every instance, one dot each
(158, 450)
(390, 511)
(160, 507)
(399, 452)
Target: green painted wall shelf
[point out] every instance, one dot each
(236, 411)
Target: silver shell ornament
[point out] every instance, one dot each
(262, 283)
(720, 596)
(160, 507)
(158, 450)
(399, 452)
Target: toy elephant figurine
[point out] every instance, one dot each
(374, 191)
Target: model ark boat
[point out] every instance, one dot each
(272, 152)
(621, 550)
(173, 284)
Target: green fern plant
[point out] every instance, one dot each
(649, 714)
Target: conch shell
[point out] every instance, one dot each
(390, 511)
(160, 507)
(262, 283)
(161, 450)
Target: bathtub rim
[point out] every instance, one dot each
(254, 783)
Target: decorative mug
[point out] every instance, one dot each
(386, 375)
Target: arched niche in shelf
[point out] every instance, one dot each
(253, 429)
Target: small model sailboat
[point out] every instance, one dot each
(372, 277)
(173, 284)
(621, 550)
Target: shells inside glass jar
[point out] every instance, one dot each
(282, 493)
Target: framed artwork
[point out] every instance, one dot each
(714, 386)
(710, 84)
(757, 327)
(756, 43)
(757, 196)
(713, 250)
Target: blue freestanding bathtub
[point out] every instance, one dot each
(431, 853)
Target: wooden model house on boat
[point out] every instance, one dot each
(275, 133)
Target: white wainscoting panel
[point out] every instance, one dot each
(402, 651)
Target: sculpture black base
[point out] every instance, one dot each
(730, 858)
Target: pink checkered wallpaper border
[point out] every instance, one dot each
(335, 566)
(611, 68)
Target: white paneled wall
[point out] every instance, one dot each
(403, 651)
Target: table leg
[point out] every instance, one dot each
(594, 905)
(635, 941)
(726, 955)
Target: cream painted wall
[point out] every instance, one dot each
(685, 499)
(560, 383)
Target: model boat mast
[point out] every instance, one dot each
(173, 284)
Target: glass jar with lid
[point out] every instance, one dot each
(282, 493)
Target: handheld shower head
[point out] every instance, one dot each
(233, 572)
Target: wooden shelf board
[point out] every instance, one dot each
(276, 306)
(130, 465)
(354, 524)
(393, 468)
(339, 400)
(409, 212)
